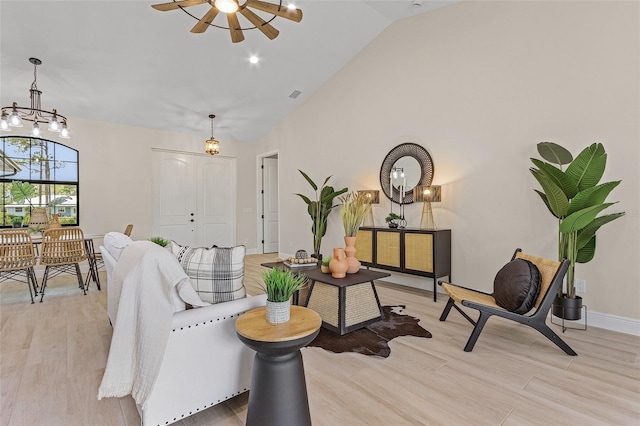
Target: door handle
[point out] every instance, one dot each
(192, 214)
(192, 220)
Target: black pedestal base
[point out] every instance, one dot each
(278, 395)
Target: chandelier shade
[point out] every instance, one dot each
(211, 145)
(14, 115)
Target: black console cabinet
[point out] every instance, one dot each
(413, 251)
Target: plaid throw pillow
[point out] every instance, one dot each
(216, 273)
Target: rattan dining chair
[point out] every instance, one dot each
(17, 258)
(62, 251)
(128, 230)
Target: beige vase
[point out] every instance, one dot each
(338, 265)
(55, 222)
(350, 251)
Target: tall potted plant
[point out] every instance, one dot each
(575, 197)
(319, 210)
(354, 207)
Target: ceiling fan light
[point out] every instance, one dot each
(226, 6)
(291, 6)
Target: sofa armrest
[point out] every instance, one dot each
(220, 310)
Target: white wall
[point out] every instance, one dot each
(479, 84)
(115, 175)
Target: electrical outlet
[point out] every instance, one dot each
(581, 285)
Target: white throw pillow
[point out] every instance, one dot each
(216, 273)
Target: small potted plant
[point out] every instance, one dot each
(392, 220)
(279, 285)
(159, 241)
(16, 221)
(325, 264)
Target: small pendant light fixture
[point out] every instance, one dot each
(212, 146)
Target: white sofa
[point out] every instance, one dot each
(204, 363)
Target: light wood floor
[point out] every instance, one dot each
(52, 356)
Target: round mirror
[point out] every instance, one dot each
(406, 165)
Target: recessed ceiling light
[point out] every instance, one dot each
(254, 59)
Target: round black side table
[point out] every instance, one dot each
(278, 394)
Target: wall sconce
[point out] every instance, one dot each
(427, 194)
(374, 198)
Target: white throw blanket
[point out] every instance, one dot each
(144, 275)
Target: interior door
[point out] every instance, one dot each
(174, 196)
(194, 198)
(270, 204)
(216, 212)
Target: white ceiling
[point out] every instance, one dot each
(124, 62)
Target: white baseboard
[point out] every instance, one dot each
(613, 323)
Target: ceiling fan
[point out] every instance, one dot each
(231, 8)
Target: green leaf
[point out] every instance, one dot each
(22, 191)
(588, 167)
(578, 220)
(305, 198)
(312, 183)
(586, 233)
(544, 199)
(554, 153)
(592, 196)
(557, 201)
(558, 177)
(586, 253)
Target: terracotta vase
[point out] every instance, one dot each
(338, 265)
(350, 251)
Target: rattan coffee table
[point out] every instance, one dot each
(345, 304)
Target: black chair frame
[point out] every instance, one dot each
(536, 320)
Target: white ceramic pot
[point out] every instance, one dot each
(278, 312)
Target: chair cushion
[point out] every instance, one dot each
(516, 286)
(216, 273)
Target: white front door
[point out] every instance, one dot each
(270, 204)
(194, 198)
(174, 196)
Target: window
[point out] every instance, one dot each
(51, 170)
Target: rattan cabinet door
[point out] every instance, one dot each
(364, 246)
(388, 248)
(418, 252)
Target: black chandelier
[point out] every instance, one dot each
(12, 116)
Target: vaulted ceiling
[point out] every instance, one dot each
(124, 62)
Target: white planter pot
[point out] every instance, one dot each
(278, 312)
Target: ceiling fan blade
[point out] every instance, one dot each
(260, 23)
(203, 23)
(234, 28)
(175, 4)
(284, 12)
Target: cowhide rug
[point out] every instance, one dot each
(373, 339)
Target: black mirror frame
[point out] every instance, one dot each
(408, 149)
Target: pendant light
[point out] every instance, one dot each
(212, 146)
